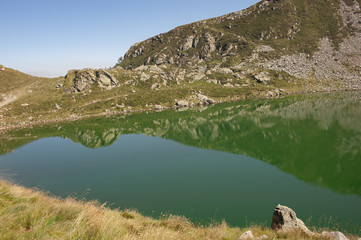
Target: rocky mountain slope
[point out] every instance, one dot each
(275, 47)
(274, 40)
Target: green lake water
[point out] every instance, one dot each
(232, 162)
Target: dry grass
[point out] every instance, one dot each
(31, 214)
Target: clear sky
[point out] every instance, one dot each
(49, 37)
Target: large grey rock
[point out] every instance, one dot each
(181, 103)
(105, 79)
(224, 70)
(188, 44)
(334, 235)
(141, 68)
(83, 79)
(265, 48)
(262, 77)
(155, 69)
(144, 76)
(198, 76)
(285, 219)
(247, 236)
(204, 99)
(158, 107)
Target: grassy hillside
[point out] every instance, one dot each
(11, 80)
(42, 102)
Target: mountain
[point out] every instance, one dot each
(287, 40)
(276, 47)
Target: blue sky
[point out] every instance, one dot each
(49, 37)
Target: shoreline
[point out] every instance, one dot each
(112, 113)
(32, 213)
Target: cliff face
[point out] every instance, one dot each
(300, 39)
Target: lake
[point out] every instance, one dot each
(232, 161)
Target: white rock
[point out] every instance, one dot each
(198, 76)
(144, 77)
(204, 99)
(158, 107)
(225, 70)
(334, 235)
(228, 85)
(181, 103)
(263, 237)
(141, 68)
(262, 77)
(246, 236)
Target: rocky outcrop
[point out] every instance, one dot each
(204, 100)
(328, 53)
(285, 219)
(181, 103)
(2, 68)
(262, 77)
(82, 80)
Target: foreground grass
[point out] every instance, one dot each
(31, 214)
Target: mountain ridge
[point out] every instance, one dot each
(273, 48)
(256, 37)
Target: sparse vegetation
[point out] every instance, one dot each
(290, 26)
(29, 214)
(32, 214)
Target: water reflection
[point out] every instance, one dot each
(316, 138)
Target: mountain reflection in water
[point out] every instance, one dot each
(316, 138)
(206, 163)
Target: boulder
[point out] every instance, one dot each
(224, 70)
(144, 77)
(246, 236)
(198, 76)
(334, 235)
(228, 85)
(285, 219)
(188, 43)
(83, 79)
(2, 68)
(105, 80)
(156, 70)
(265, 48)
(204, 99)
(262, 77)
(141, 68)
(263, 237)
(181, 103)
(158, 107)
(160, 60)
